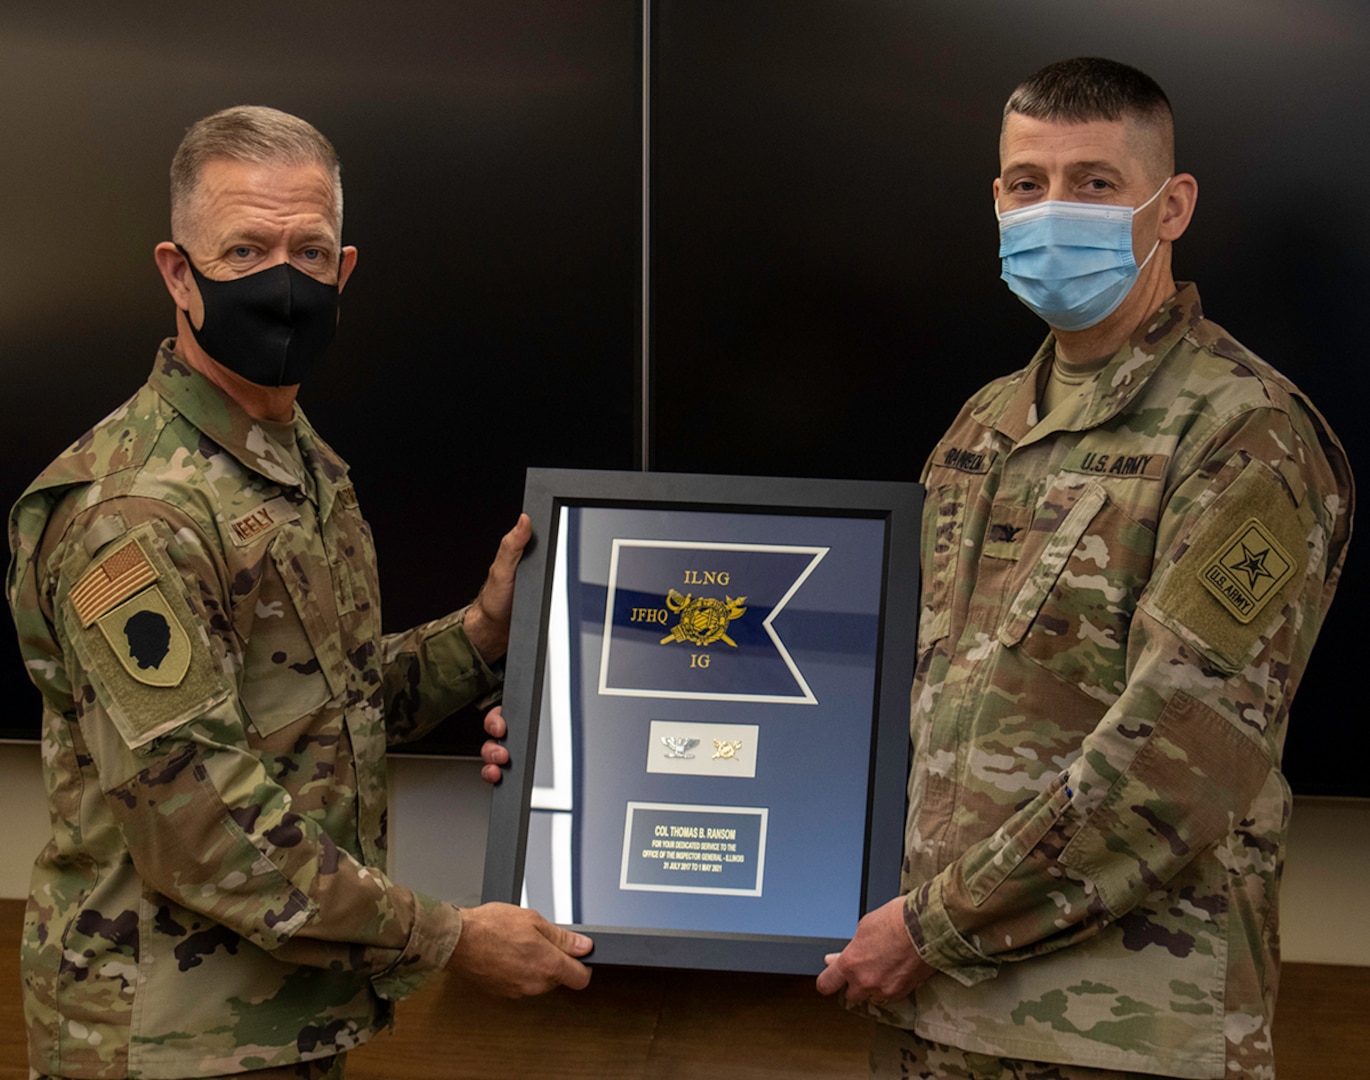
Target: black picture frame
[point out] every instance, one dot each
(867, 731)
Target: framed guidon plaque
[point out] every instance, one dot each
(707, 697)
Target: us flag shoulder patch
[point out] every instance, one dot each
(112, 580)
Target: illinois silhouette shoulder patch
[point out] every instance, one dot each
(130, 622)
(148, 639)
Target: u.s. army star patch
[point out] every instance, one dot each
(1247, 571)
(148, 639)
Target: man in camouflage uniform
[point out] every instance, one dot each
(196, 597)
(1128, 549)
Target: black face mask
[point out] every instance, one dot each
(269, 327)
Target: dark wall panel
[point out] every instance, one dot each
(825, 250)
(490, 163)
(822, 228)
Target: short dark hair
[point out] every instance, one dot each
(252, 133)
(1089, 88)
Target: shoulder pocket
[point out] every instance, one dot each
(1229, 581)
(128, 619)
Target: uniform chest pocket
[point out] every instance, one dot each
(292, 660)
(353, 566)
(1083, 577)
(944, 522)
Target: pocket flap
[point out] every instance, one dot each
(1048, 566)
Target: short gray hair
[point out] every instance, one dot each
(251, 133)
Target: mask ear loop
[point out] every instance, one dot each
(193, 271)
(1138, 209)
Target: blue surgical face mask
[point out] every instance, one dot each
(1070, 262)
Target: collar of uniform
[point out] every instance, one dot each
(328, 470)
(222, 419)
(1013, 410)
(1122, 378)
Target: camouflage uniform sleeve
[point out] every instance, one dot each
(202, 819)
(431, 672)
(1248, 550)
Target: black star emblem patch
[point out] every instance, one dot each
(1252, 564)
(1247, 571)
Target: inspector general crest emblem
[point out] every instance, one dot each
(703, 619)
